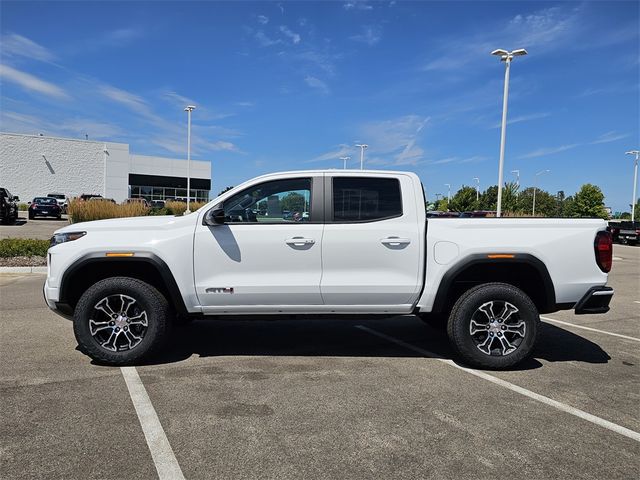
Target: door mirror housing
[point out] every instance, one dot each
(16, 198)
(214, 217)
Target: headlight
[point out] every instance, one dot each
(59, 238)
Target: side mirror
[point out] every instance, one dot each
(214, 217)
(16, 198)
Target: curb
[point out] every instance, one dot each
(39, 270)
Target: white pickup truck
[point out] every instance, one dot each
(336, 242)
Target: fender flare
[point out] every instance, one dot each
(140, 257)
(449, 277)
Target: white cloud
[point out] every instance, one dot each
(523, 118)
(370, 35)
(14, 45)
(317, 84)
(610, 137)
(31, 83)
(342, 150)
(264, 40)
(75, 127)
(245, 104)
(129, 100)
(357, 6)
(295, 38)
(263, 19)
(541, 152)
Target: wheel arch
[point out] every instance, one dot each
(93, 267)
(524, 271)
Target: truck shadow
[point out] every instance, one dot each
(345, 338)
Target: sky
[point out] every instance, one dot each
(295, 85)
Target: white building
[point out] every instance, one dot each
(32, 166)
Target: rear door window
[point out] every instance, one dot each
(365, 199)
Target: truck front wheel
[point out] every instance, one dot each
(493, 326)
(121, 321)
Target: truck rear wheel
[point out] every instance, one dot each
(493, 326)
(121, 321)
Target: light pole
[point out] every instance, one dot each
(345, 160)
(477, 188)
(517, 172)
(506, 57)
(535, 185)
(448, 185)
(362, 147)
(189, 109)
(635, 182)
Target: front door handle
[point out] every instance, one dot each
(394, 241)
(299, 241)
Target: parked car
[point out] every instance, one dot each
(628, 232)
(8, 206)
(87, 196)
(61, 198)
(142, 201)
(44, 207)
(158, 203)
(366, 248)
(478, 214)
(101, 199)
(439, 214)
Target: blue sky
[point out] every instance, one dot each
(288, 85)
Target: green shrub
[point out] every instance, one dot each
(178, 208)
(23, 247)
(23, 207)
(86, 211)
(160, 211)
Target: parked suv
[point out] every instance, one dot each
(8, 206)
(61, 198)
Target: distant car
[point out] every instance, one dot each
(143, 201)
(87, 196)
(158, 203)
(629, 233)
(101, 199)
(44, 207)
(61, 198)
(8, 206)
(439, 214)
(478, 214)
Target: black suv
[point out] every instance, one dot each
(8, 206)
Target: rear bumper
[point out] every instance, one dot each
(596, 300)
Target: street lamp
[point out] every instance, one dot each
(362, 147)
(345, 160)
(535, 185)
(189, 109)
(506, 57)
(635, 182)
(448, 185)
(477, 188)
(517, 172)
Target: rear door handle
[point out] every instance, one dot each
(299, 241)
(395, 241)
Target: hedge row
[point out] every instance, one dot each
(23, 247)
(81, 211)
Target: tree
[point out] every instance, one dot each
(636, 210)
(225, 190)
(510, 197)
(464, 200)
(489, 198)
(588, 202)
(441, 205)
(546, 204)
(293, 201)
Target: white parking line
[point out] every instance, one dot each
(514, 388)
(163, 458)
(553, 320)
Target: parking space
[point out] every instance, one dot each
(41, 228)
(322, 399)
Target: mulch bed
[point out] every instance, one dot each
(23, 261)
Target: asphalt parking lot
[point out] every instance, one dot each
(40, 227)
(321, 399)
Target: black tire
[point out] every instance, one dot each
(522, 325)
(31, 216)
(148, 300)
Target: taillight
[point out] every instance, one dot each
(603, 246)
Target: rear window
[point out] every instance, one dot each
(362, 199)
(45, 201)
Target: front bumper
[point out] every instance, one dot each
(51, 298)
(596, 300)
